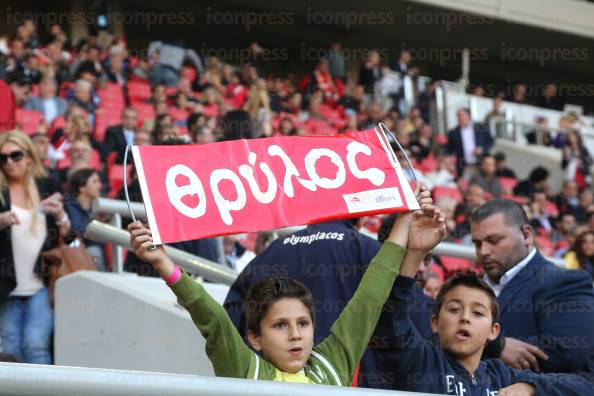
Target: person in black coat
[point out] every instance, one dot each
(468, 148)
(117, 137)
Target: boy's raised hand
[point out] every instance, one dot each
(141, 241)
(427, 227)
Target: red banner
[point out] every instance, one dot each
(198, 191)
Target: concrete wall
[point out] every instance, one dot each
(567, 16)
(524, 158)
(127, 322)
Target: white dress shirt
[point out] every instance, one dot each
(468, 143)
(509, 275)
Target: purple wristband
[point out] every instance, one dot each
(174, 277)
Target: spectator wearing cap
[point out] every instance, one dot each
(468, 141)
(47, 102)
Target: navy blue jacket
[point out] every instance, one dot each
(552, 308)
(422, 366)
(329, 258)
(482, 139)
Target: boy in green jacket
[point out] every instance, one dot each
(280, 316)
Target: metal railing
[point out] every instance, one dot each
(28, 379)
(103, 232)
(117, 207)
(207, 269)
(517, 129)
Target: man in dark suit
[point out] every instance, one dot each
(117, 137)
(468, 141)
(547, 313)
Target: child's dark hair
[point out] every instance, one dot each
(261, 296)
(79, 179)
(471, 280)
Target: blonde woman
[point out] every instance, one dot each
(32, 219)
(76, 127)
(258, 106)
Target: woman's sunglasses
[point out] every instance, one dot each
(14, 156)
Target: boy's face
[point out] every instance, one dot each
(464, 323)
(286, 335)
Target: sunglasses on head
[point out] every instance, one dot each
(15, 156)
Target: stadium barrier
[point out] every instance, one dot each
(196, 265)
(30, 379)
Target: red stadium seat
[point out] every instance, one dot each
(454, 264)
(210, 110)
(104, 120)
(57, 123)
(428, 164)
(35, 90)
(516, 198)
(28, 120)
(189, 72)
(112, 95)
(116, 178)
(94, 161)
(178, 114)
(65, 87)
(315, 126)
(146, 111)
(138, 91)
(508, 183)
(544, 245)
(452, 192)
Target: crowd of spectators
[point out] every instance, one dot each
(82, 103)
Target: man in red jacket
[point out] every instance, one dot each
(10, 96)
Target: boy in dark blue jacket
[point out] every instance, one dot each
(465, 316)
